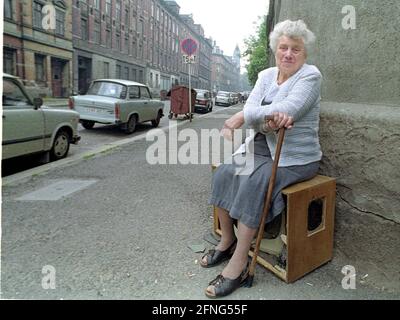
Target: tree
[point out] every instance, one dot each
(257, 52)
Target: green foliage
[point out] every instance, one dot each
(257, 52)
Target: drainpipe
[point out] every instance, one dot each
(21, 24)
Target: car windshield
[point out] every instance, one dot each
(201, 95)
(107, 89)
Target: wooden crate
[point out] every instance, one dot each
(306, 250)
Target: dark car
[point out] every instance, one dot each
(204, 101)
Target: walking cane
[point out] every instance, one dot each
(267, 205)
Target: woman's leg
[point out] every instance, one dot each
(240, 257)
(227, 233)
(226, 225)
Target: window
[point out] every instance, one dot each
(8, 13)
(127, 48)
(141, 76)
(127, 18)
(140, 27)
(106, 69)
(134, 92)
(134, 74)
(96, 33)
(60, 23)
(118, 11)
(118, 41)
(9, 61)
(118, 72)
(126, 73)
(144, 93)
(40, 68)
(37, 14)
(140, 51)
(97, 4)
(108, 7)
(134, 23)
(107, 89)
(84, 29)
(13, 95)
(108, 38)
(134, 49)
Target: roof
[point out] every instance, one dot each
(9, 76)
(123, 82)
(201, 90)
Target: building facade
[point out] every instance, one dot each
(225, 74)
(37, 44)
(137, 40)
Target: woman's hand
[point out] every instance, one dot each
(234, 122)
(279, 120)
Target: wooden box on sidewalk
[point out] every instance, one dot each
(310, 211)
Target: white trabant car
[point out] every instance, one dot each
(29, 127)
(223, 98)
(121, 102)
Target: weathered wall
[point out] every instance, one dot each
(360, 65)
(361, 146)
(359, 130)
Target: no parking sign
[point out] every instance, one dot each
(189, 46)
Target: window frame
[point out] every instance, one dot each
(8, 9)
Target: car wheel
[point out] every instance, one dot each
(60, 146)
(157, 120)
(87, 124)
(131, 125)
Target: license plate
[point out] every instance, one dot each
(95, 110)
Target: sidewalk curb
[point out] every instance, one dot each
(26, 175)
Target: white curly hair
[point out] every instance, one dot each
(291, 29)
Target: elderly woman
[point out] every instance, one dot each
(290, 93)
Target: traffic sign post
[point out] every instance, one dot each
(189, 46)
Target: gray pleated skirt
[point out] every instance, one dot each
(243, 195)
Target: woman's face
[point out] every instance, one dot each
(290, 55)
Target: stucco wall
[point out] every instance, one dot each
(361, 146)
(360, 65)
(360, 113)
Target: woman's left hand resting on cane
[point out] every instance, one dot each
(279, 120)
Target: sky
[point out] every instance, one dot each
(228, 22)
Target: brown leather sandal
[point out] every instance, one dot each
(216, 257)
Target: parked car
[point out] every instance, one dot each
(204, 101)
(234, 97)
(29, 127)
(121, 102)
(223, 98)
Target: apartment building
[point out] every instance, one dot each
(60, 46)
(225, 74)
(37, 45)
